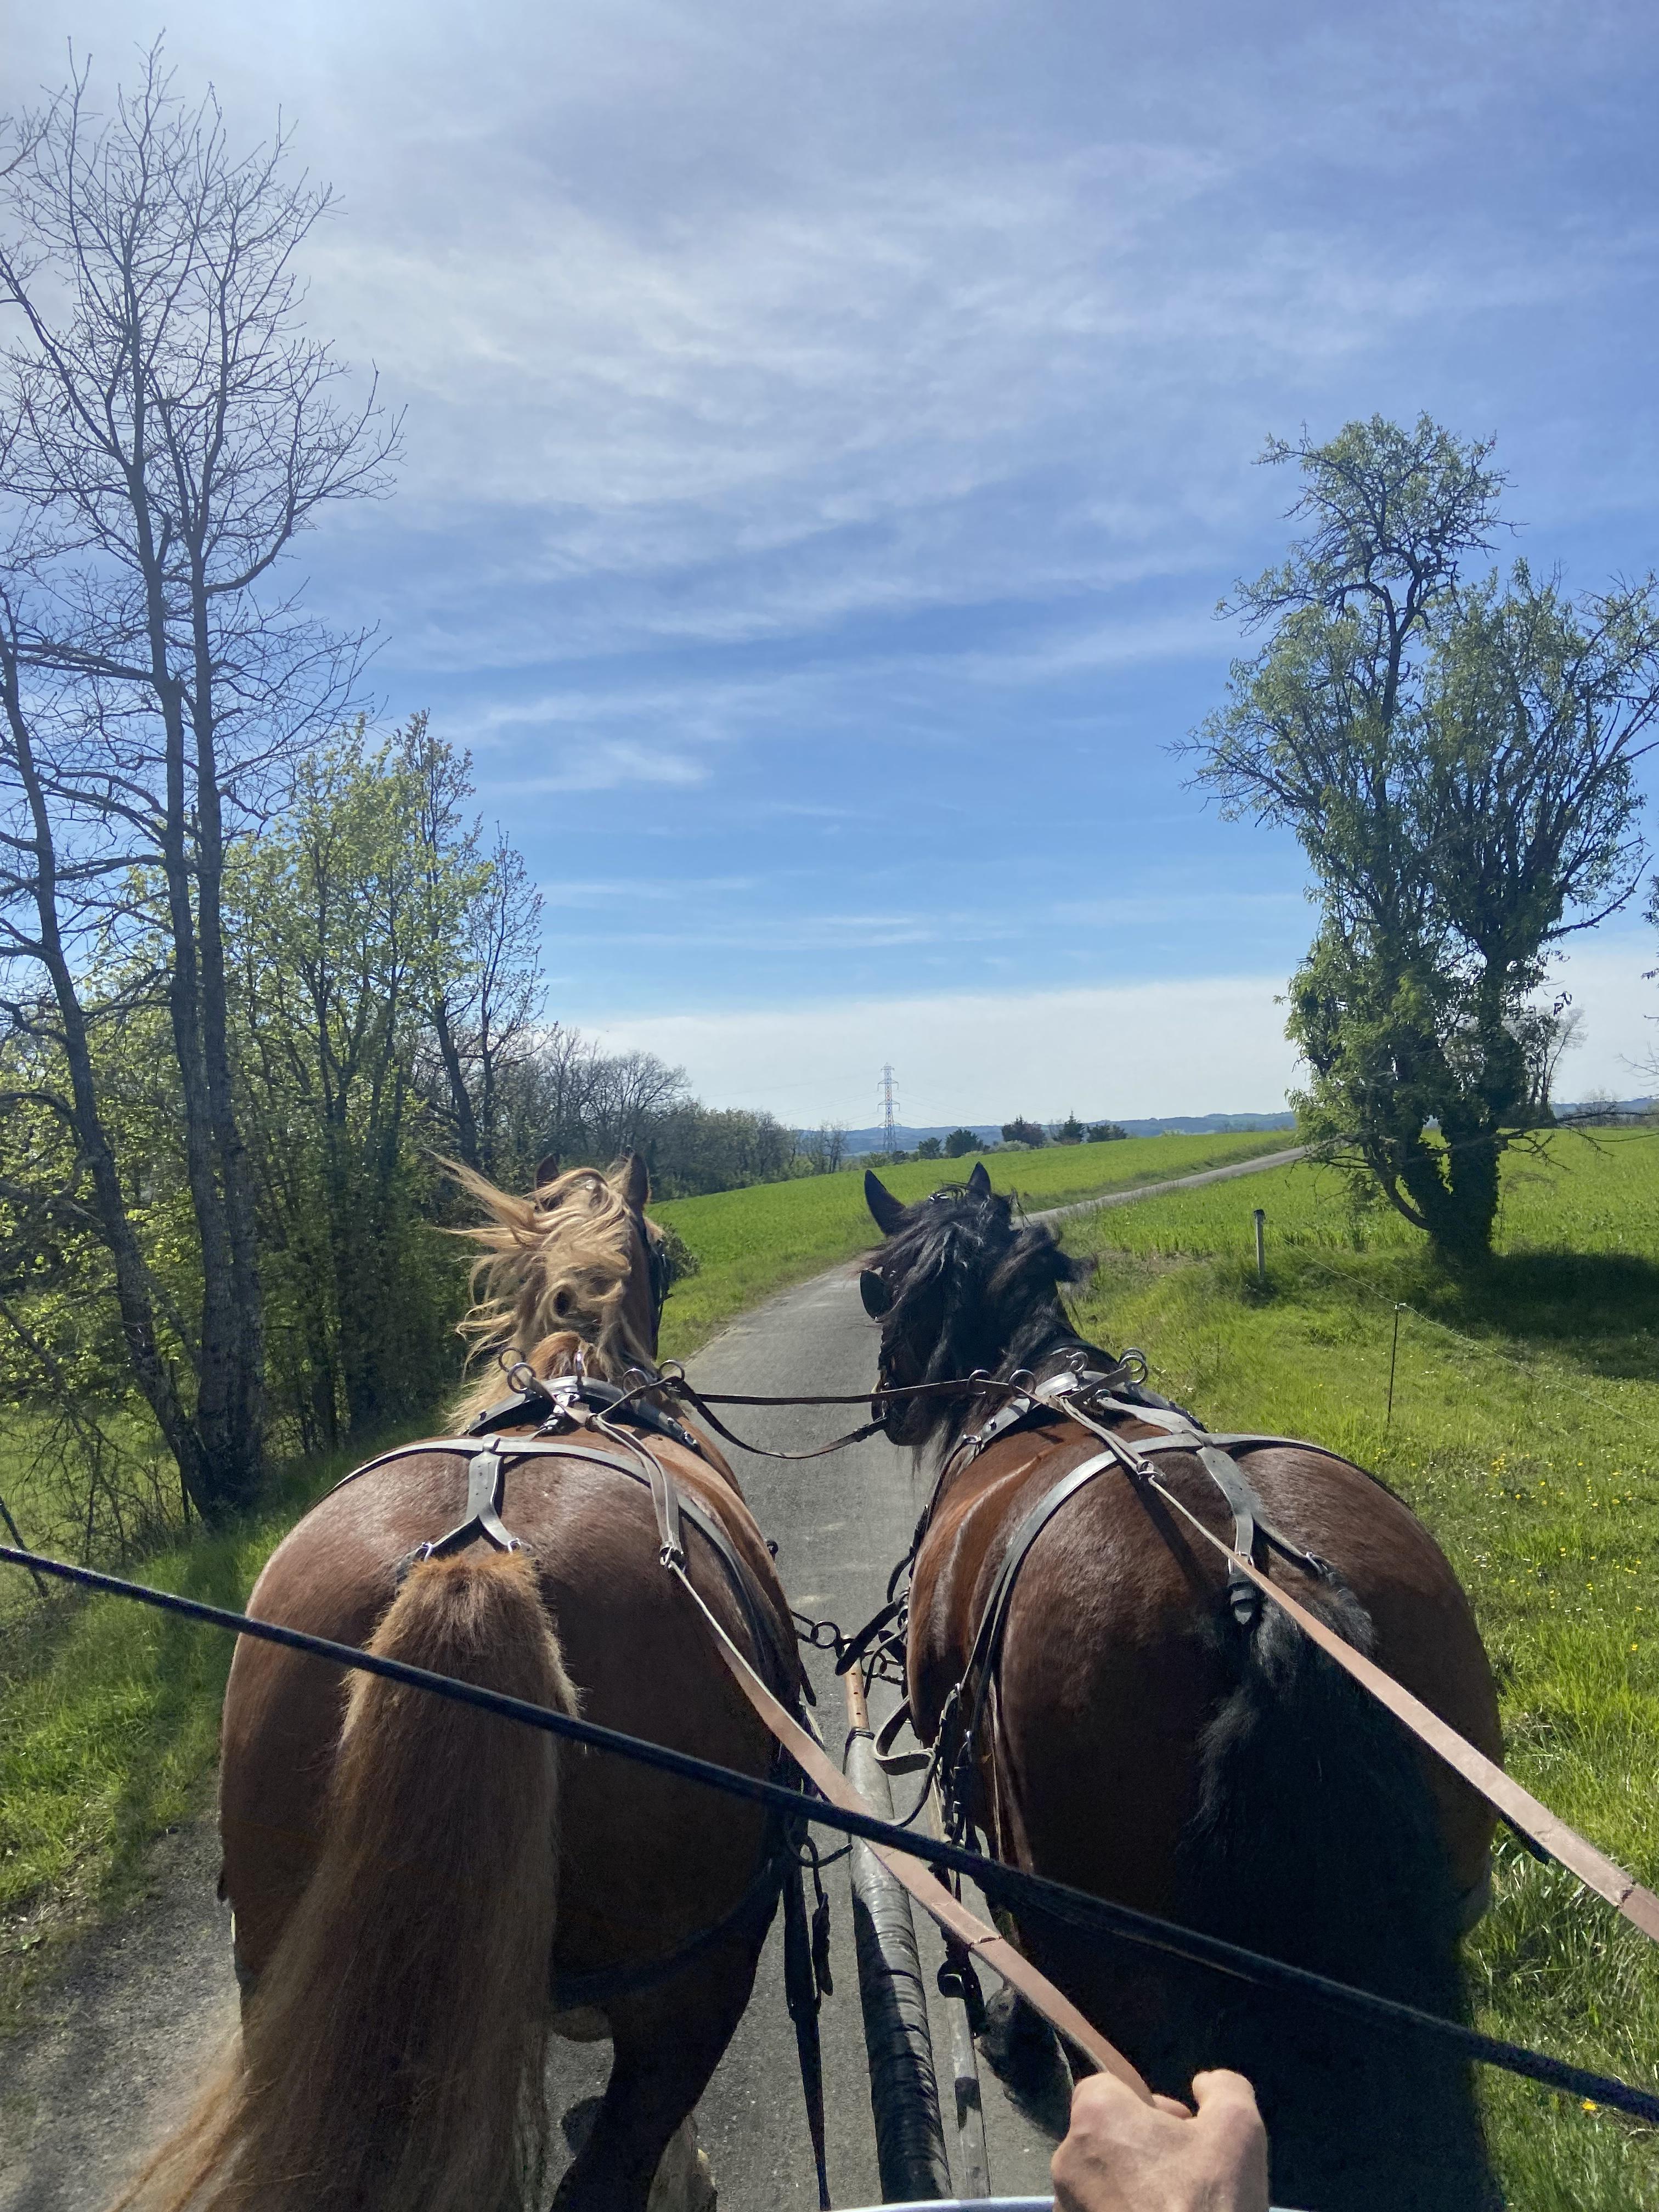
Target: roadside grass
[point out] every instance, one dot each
(109, 1730)
(61, 1504)
(751, 1243)
(1525, 1432)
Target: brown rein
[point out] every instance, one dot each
(1519, 1807)
(1524, 1812)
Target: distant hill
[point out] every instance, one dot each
(990, 1133)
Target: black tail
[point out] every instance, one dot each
(1315, 1841)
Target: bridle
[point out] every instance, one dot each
(661, 1268)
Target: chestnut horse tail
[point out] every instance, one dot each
(392, 2055)
(1316, 1841)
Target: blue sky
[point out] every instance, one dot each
(829, 431)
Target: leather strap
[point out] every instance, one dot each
(484, 1502)
(669, 1509)
(801, 1988)
(1518, 1806)
(988, 1639)
(929, 1893)
(537, 1399)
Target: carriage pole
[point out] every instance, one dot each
(964, 2060)
(903, 2087)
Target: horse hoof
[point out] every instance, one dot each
(1018, 2044)
(685, 2181)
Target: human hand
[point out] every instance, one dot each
(1121, 2155)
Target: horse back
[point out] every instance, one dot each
(1120, 1646)
(646, 1859)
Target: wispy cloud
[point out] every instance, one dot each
(829, 430)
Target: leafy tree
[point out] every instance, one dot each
(1070, 1132)
(959, 1143)
(929, 1149)
(351, 926)
(1106, 1132)
(1019, 1131)
(1456, 758)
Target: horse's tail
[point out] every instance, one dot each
(1316, 1841)
(392, 2055)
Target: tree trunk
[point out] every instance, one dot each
(460, 1098)
(240, 1446)
(133, 1297)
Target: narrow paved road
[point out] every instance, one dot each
(147, 2000)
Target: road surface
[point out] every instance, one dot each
(145, 2002)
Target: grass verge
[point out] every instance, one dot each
(751, 1243)
(1525, 1432)
(109, 1731)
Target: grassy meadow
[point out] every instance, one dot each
(751, 1242)
(1525, 1432)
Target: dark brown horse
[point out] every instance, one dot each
(1143, 1743)
(421, 1893)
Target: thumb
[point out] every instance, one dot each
(1220, 2089)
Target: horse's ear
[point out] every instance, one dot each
(631, 1181)
(887, 1210)
(979, 1183)
(877, 1294)
(547, 1168)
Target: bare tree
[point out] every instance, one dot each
(167, 429)
(826, 1146)
(484, 1023)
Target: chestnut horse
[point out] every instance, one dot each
(1142, 1741)
(420, 1892)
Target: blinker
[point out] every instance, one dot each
(877, 1294)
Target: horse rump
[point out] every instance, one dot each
(1315, 1841)
(392, 2053)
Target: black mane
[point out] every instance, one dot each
(971, 1289)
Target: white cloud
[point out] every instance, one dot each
(1199, 1045)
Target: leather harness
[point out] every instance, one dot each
(1078, 1388)
(489, 1457)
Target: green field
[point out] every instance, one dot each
(1526, 1432)
(751, 1242)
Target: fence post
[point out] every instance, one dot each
(1259, 1219)
(1393, 1356)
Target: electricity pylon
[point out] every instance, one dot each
(889, 1107)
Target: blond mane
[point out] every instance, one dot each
(552, 1279)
